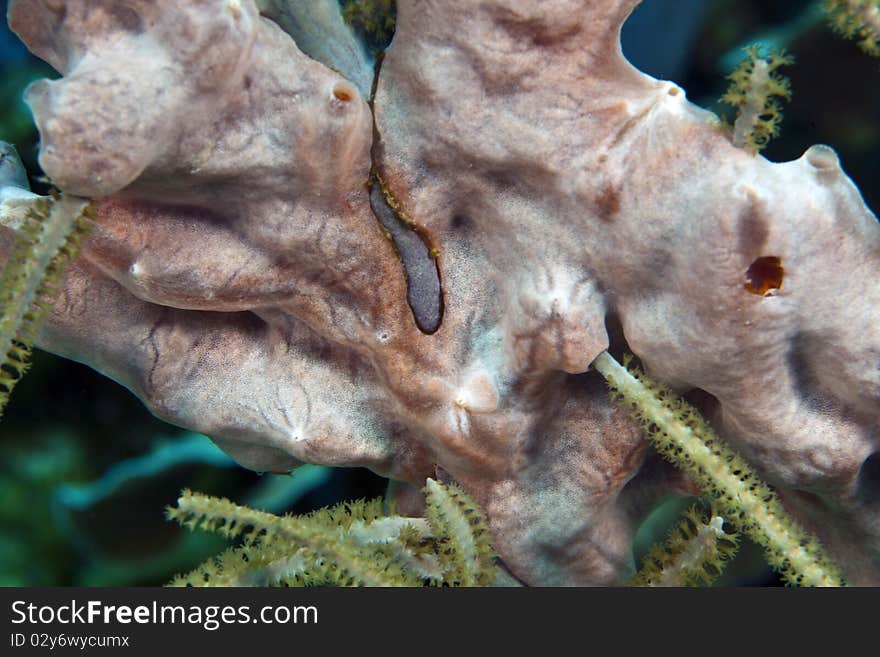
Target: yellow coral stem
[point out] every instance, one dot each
(694, 553)
(47, 240)
(754, 90)
(678, 431)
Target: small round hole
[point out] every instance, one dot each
(344, 91)
(764, 276)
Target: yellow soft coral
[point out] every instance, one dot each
(375, 18)
(684, 438)
(694, 553)
(857, 19)
(754, 90)
(48, 238)
(355, 543)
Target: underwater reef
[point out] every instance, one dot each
(414, 258)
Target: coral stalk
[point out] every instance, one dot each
(694, 553)
(353, 543)
(48, 237)
(754, 90)
(678, 432)
(856, 19)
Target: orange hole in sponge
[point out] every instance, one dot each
(764, 274)
(343, 91)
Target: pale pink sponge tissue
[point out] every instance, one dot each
(238, 280)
